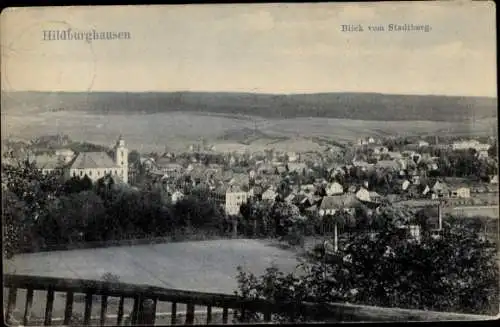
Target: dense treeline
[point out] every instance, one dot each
(44, 211)
(333, 105)
(41, 211)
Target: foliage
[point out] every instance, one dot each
(42, 211)
(454, 272)
(110, 277)
(134, 157)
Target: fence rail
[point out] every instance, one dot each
(145, 299)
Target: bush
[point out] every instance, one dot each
(455, 272)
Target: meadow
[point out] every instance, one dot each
(204, 266)
(177, 130)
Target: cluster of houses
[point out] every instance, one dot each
(67, 163)
(262, 178)
(231, 186)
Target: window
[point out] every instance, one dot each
(90, 172)
(105, 172)
(122, 162)
(98, 173)
(74, 173)
(81, 173)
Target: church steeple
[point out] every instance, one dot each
(121, 158)
(120, 142)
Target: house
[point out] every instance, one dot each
(147, 163)
(377, 150)
(415, 179)
(95, 165)
(235, 197)
(332, 204)
(432, 166)
(374, 197)
(334, 189)
(171, 169)
(422, 143)
(308, 188)
(269, 194)
(363, 194)
(460, 192)
(297, 167)
(470, 144)
(312, 209)
(239, 179)
(439, 190)
(49, 163)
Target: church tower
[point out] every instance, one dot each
(121, 159)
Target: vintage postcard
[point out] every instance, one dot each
(247, 163)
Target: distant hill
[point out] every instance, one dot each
(361, 106)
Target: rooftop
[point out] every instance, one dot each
(88, 160)
(338, 201)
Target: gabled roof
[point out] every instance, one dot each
(88, 160)
(338, 201)
(235, 189)
(48, 162)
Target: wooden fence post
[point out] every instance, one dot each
(147, 312)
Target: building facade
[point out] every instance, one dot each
(96, 165)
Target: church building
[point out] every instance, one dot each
(96, 165)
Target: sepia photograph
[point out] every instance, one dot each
(268, 163)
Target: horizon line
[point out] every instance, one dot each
(250, 92)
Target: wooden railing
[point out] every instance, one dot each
(145, 300)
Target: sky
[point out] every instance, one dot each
(265, 48)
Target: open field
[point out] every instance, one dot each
(151, 132)
(205, 266)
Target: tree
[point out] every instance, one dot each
(15, 223)
(454, 272)
(134, 157)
